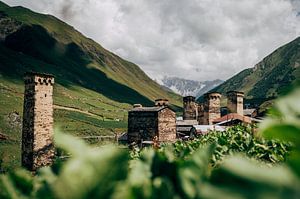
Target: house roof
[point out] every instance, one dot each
(149, 109)
(205, 128)
(183, 128)
(186, 122)
(123, 137)
(231, 117)
(249, 111)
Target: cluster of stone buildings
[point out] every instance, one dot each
(209, 112)
(145, 124)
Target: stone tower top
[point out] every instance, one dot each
(211, 107)
(161, 102)
(190, 108)
(189, 99)
(235, 93)
(235, 102)
(213, 95)
(38, 78)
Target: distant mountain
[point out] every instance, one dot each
(270, 77)
(186, 87)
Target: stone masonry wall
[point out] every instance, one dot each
(37, 134)
(166, 125)
(141, 125)
(235, 102)
(201, 114)
(212, 109)
(190, 108)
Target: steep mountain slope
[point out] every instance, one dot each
(93, 90)
(270, 77)
(186, 87)
(65, 51)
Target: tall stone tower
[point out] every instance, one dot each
(190, 108)
(211, 107)
(37, 133)
(235, 102)
(201, 114)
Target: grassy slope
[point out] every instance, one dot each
(88, 78)
(269, 78)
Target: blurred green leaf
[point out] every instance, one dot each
(284, 132)
(251, 179)
(89, 172)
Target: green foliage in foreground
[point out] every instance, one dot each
(284, 124)
(237, 139)
(110, 172)
(105, 173)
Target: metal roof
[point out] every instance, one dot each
(249, 111)
(184, 128)
(206, 128)
(186, 122)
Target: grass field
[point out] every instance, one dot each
(109, 117)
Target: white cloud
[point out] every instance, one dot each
(195, 39)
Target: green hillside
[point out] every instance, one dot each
(269, 78)
(94, 88)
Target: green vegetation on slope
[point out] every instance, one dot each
(181, 170)
(88, 78)
(269, 78)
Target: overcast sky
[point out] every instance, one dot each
(192, 39)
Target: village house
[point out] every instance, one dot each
(146, 124)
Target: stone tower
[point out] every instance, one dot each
(161, 102)
(201, 114)
(211, 107)
(37, 133)
(190, 108)
(235, 102)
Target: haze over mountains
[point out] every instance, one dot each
(185, 87)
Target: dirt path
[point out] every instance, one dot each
(74, 109)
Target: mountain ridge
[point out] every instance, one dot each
(92, 53)
(269, 78)
(186, 87)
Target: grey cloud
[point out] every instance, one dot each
(194, 39)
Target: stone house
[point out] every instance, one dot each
(144, 123)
